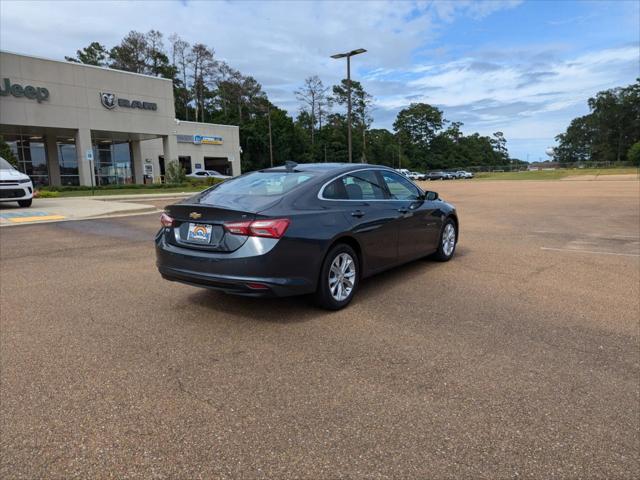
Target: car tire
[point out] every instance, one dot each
(340, 265)
(25, 203)
(446, 243)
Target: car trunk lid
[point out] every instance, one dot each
(199, 221)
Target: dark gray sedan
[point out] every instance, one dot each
(300, 229)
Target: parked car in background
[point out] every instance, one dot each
(15, 186)
(438, 175)
(464, 174)
(403, 171)
(415, 176)
(308, 228)
(207, 174)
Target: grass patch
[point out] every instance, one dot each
(554, 174)
(194, 186)
(131, 191)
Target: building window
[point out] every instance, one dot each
(68, 161)
(185, 163)
(32, 157)
(219, 164)
(112, 162)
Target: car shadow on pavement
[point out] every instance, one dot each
(302, 308)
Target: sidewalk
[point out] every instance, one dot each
(79, 208)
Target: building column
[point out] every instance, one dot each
(170, 147)
(138, 161)
(83, 143)
(53, 163)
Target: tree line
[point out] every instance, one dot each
(207, 89)
(610, 132)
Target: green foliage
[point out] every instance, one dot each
(174, 174)
(608, 132)
(209, 90)
(633, 155)
(7, 153)
(418, 124)
(47, 194)
(94, 54)
(133, 186)
(204, 181)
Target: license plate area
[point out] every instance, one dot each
(199, 233)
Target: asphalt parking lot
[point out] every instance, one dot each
(519, 358)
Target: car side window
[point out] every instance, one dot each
(361, 185)
(399, 187)
(201, 174)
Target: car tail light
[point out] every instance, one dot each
(257, 286)
(271, 228)
(238, 228)
(166, 220)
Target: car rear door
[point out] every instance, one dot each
(361, 198)
(418, 224)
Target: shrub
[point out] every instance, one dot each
(46, 194)
(7, 153)
(174, 173)
(633, 155)
(205, 181)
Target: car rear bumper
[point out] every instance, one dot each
(235, 272)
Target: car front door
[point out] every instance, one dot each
(418, 219)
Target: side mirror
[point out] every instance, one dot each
(431, 196)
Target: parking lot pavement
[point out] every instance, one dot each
(519, 358)
(73, 208)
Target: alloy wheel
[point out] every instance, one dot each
(342, 276)
(448, 239)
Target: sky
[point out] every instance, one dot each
(525, 68)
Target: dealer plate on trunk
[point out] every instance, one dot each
(199, 233)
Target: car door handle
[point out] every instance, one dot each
(357, 214)
(403, 210)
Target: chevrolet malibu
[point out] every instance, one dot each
(303, 229)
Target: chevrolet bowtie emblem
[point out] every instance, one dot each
(195, 215)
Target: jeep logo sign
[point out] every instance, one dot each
(34, 93)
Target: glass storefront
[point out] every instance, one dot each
(68, 160)
(112, 162)
(32, 157)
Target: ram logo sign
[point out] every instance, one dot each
(108, 100)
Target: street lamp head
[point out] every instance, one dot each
(349, 54)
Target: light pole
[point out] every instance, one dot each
(349, 55)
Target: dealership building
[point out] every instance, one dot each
(75, 124)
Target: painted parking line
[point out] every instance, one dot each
(575, 250)
(40, 218)
(28, 216)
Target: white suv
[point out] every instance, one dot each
(15, 186)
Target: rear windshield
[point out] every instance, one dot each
(263, 183)
(254, 191)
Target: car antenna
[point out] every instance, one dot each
(290, 166)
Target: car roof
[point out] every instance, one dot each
(328, 168)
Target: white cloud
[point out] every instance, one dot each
(526, 92)
(519, 95)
